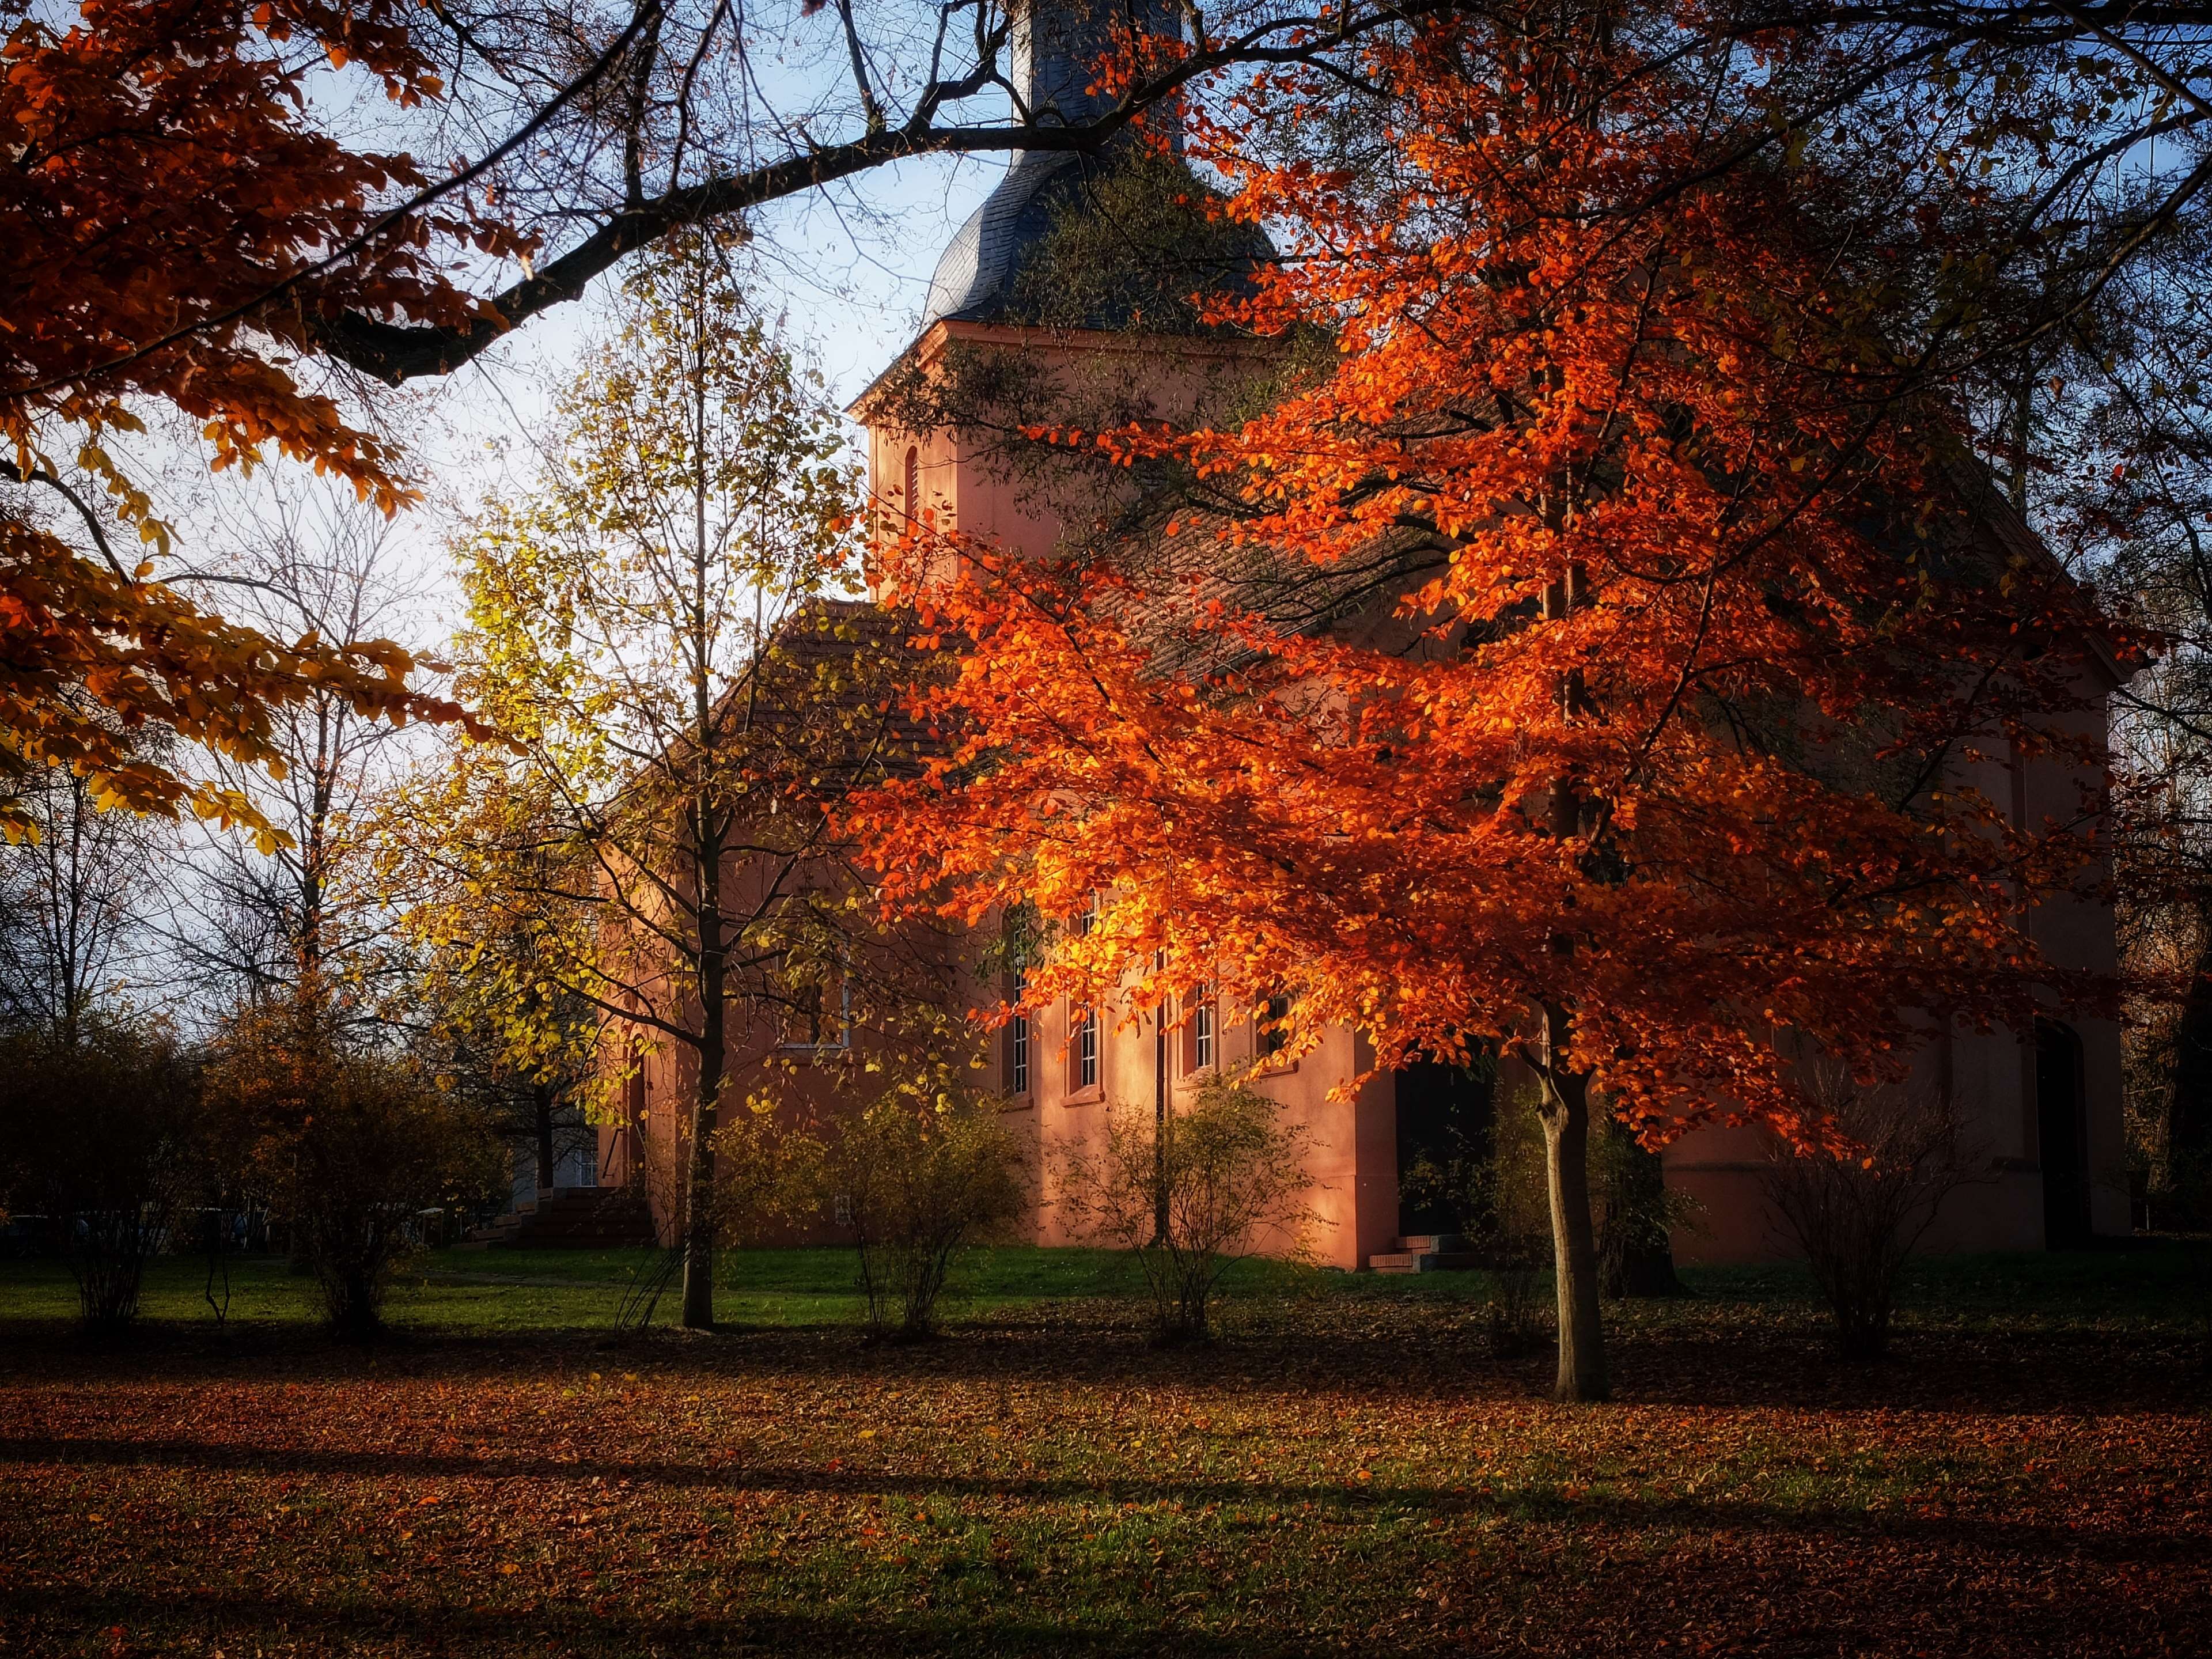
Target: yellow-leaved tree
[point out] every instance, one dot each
(657, 629)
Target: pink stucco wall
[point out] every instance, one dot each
(1353, 1139)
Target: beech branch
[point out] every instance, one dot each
(46, 476)
(397, 352)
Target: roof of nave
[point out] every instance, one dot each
(821, 705)
(1177, 545)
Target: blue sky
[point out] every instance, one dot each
(846, 270)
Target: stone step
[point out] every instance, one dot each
(1424, 1262)
(570, 1217)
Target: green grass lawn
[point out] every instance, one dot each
(517, 1291)
(1348, 1469)
(520, 1290)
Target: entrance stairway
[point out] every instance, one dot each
(570, 1218)
(1426, 1253)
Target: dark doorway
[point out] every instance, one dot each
(2062, 1132)
(1443, 1126)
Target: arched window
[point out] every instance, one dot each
(637, 1107)
(2062, 1136)
(912, 504)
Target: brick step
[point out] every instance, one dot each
(628, 1229)
(625, 1216)
(1433, 1243)
(570, 1217)
(1424, 1261)
(613, 1224)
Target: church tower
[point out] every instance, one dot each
(1066, 292)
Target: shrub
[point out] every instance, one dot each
(1858, 1216)
(1226, 1181)
(102, 1139)
(915, 1182)
(2187, 1195)
(1494, 1188)
(1635, 1214)
(351, 1147)
(1512, 1225)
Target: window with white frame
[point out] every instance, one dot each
(1087, 1051)
(1018, 1040)
(1200, 1048)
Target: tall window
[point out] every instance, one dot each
(1086, 1050)
(635, 1108)
(1273, 1036)
(1200, 1047)
(913, 502)
(819, 1011)
(1018, 1042)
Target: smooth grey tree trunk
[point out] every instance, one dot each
(1566, 1112)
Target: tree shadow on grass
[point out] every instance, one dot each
(1710, 1355)
(2153, 1543)
(289, 1623)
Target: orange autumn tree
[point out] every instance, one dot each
(1652, 764)
(173, 222)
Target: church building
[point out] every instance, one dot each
(1029, 295)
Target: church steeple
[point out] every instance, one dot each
(1055, 45)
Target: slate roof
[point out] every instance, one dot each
(974, 275)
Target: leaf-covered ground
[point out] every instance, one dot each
(1347, 1470)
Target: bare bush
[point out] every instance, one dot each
(915, 1183)
(1227, 1180)
(102, 1140)
(1513, 1230)
(1858, 1216)
(2186, 1191)
(1493, 1186)
(351, 1146)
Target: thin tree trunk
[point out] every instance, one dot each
(1160, 1123)
(699, 1186)
(1566, 1112)
(707, 841)
(699, 1212)
(714, 1061)
(541, 1106)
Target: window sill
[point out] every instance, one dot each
(1089, 1096)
